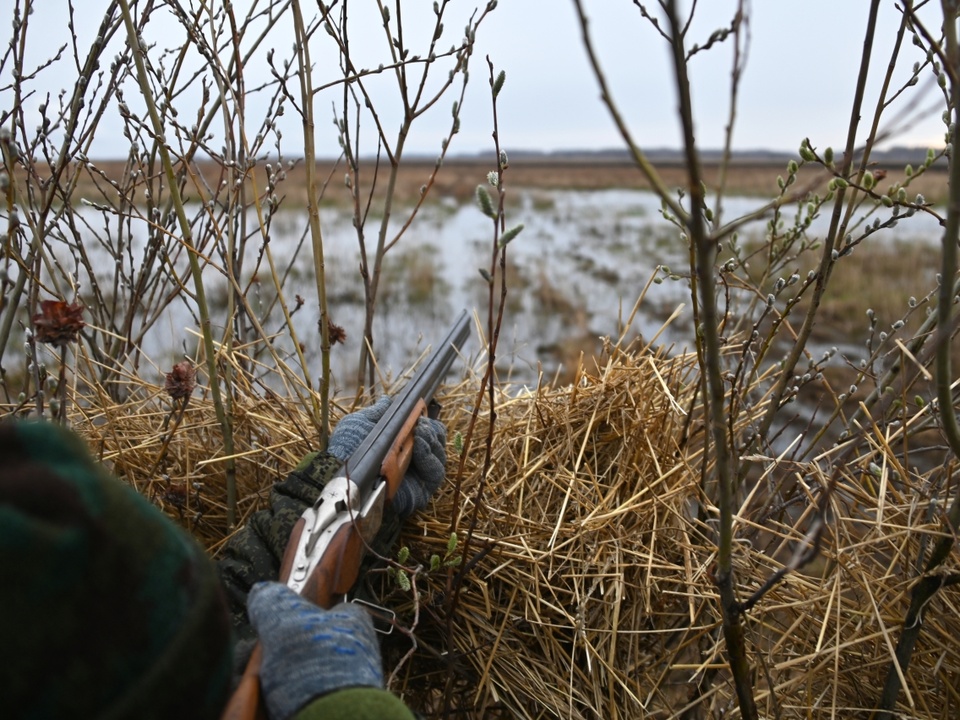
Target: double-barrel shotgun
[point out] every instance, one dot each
(323, 556)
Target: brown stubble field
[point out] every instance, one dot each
(458, 179)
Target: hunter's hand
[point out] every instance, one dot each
(309, 652)
(427, 465)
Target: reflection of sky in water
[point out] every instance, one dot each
(590, 250)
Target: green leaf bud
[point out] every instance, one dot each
(452, 543)
(510, 235)
(485, 203)
(403, 555)
(828, 156)
(498, 83)
(868, 180)
(792, 167)
(886, 200)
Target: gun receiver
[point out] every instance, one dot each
(354, 498)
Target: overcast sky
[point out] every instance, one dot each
(799, 78)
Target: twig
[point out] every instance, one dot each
(704, 250)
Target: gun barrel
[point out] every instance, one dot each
(364, 465)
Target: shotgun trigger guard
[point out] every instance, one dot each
(383, 616)
(339, 505)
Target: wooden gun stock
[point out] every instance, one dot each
(398, 459)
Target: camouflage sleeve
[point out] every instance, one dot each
(254, 553)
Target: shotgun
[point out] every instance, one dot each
(322, 558)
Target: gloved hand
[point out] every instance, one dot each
(428, 462)
(309, 651)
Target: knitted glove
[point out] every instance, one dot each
(309, 651)
(428, 462)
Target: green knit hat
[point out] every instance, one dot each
(109, 610)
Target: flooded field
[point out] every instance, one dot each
(574, 274)
(593, 240)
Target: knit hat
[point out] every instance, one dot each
(108, 609)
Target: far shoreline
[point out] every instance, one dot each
(747, 175)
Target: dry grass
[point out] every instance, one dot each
(459, 177)
(182, 476)
(595, 597)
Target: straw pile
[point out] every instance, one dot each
(585, 514)
(592, 595)
(174, 454)
(596, 597)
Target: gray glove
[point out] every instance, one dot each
(309, 651)
(428, 462)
